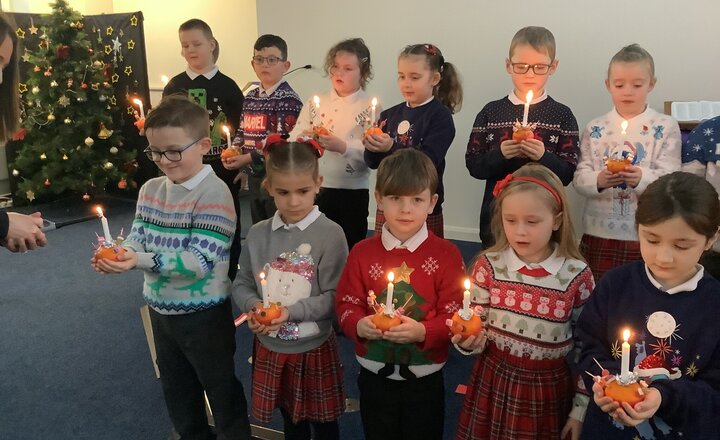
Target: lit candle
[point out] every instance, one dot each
(263, 287)
(316, 102)
(389, 300)
(372, 111)
(164, 79)
(528, 100)
(466, 297)
(140, 104)
(227, 134)
(624, 126)
(106, 228)
(625, 360)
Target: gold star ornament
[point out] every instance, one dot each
(109, 30)
(131, 45)
(133, 21)
(30, 195)
(128, 70)
(403, 272)
(20, 33)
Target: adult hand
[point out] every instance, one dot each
(24, 232)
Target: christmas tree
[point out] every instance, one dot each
(69, 114)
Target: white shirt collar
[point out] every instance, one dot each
(552, 264)
(195, 180)
(517, 101)
(428, 100)
(350, 98)
(278, 223)
(209, 74)
(270, 90)
(687, 286)
(390, 242)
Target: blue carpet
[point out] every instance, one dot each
(74, 362)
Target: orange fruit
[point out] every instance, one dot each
(321, 131)
(631, 394)
(384, 322)
(373, 130)
(109, 253)
(265, 316)
(616, 165)
(229, 152)
(522, 134)
(465, 327)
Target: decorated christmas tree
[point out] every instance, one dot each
(69, 140)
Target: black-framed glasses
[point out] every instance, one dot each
(538, 69)
(171, 155)
(271, 60)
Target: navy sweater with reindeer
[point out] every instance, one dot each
(556, 128)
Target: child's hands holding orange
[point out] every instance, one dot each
(532, 149)
(511, 149)
(367, 330)
(631, 175)
(605, 403)
(377, 142)
(607, 179)
(125, 261)
(236, 161)
(633, 416)
(408, 332)
(471, 343)
(260, 329)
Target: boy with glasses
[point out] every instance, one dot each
(491, 151)
(181, 237)
(271, 108)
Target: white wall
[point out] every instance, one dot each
(476, 35)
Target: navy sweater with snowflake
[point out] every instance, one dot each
(680, 330)
(556, 128)
(429, 128)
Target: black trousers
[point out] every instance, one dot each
(402, 409)
(195, 354)
(228, 176)
(349, 209)
(262, 206)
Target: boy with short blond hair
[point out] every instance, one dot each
(492, 153)
(181, 237)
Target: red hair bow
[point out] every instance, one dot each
(430, 49)
(312, 143)
(271, 139)
(501, 185)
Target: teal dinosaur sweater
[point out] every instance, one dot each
(182, 234)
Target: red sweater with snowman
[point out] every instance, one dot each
(428, 285)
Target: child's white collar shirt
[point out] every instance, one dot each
(195, 180)
(209, 74)
(278, 223)
(551, 264)
(517, 101)
(270, 90)
(390, 242)
(687, 286)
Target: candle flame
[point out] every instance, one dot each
(374, 102)
(164, 79)
(137, 101)
(226, 129)
(626, 335)
(316, 100)
(529, 97)
(391, 277)
(262, 275)
(467, 283)
(99, 211)
(624, 126)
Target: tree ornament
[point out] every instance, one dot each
(63, 52)
(89, 141)
(81, 99)
(86, 197)
(122, 184)
(102, 98)
(97, 64)
(108, 165)
(83, 85)
(35, 90)
(15, 173)
(36, 69)
(43, 156)
(53, 83)
(113, 150)
(73, 25)
(48, 72)
(50, 117)
(91, 51)
(30, 195)
(104, 133)
(47, 182)
(64, 101)
(79, 25)
(67, 121)
(65, 157)
(70, 82)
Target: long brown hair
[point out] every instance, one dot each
(564, 237)
(9, 102)
(449, 90)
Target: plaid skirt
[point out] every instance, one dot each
(515, 398)
(604, 254)
(434, 223)
(309, 385)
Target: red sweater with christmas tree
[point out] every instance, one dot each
(428, 285)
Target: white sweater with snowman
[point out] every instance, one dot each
(303, 263)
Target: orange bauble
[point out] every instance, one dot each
(384, 322)
(616, 165)
(109, 253)
(522, 134)
(229, 152)
(265, 316)
(465, 327)
(631, 394)
(321, 131)
(373, 130)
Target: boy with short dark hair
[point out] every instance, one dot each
(181, 236)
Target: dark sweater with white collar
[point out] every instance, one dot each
(681, 329)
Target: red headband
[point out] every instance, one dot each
(276, 138)
(503, 183)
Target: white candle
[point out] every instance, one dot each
(625, 360)
(316, 103)
(372, 111)
(528, 100)
(140, 104)
(624, 126)
(466, 297)
(389, 310)
(227, 134)
(106, 228)
(263, 287)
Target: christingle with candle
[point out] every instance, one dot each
(466, 321)
(524, 130)
(106, 247)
